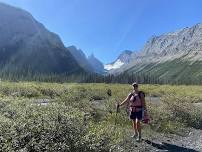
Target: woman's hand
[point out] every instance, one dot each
(117, 105)
(145, 112)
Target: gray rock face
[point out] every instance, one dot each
(184, 44)
(26, 45)
(125, 56)
(80, 58)
(174, 43)
(96, 64)
(17, 25)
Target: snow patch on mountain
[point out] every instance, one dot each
(115, 65)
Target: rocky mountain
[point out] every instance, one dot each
(173, 56)
(26, 46)
(173, 45)
(81, 59)
(96, 64)
(124, 58)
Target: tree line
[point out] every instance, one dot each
(84, 77)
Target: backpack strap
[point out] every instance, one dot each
(130, 94)
(141, 93)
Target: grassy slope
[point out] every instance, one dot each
(176, 71)
(74, 119)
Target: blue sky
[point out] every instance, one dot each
(107, 27)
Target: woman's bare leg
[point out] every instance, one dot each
(138, 128)
(135, 127)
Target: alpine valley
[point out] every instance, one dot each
(29, 50)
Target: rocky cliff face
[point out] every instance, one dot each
(26, 45)
(96, 64)
(186, 43)
(125, 56)
(80, 58)
(184, 40)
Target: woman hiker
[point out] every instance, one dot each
(137, 105)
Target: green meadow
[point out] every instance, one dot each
(37, 116)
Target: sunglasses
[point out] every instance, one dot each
(135, 86)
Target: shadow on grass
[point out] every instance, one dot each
(169, 147)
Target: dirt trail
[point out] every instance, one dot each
(192, 142)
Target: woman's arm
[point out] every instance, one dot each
(126, 100)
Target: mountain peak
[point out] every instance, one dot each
(91, 56)
(124, 58)
(80, 58)
(96, 64)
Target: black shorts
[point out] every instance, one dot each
(136, 115)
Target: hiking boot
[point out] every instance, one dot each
(134, 136)
(138, 139)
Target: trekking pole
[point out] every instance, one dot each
(117, 110)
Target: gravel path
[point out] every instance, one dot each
(192, 142)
